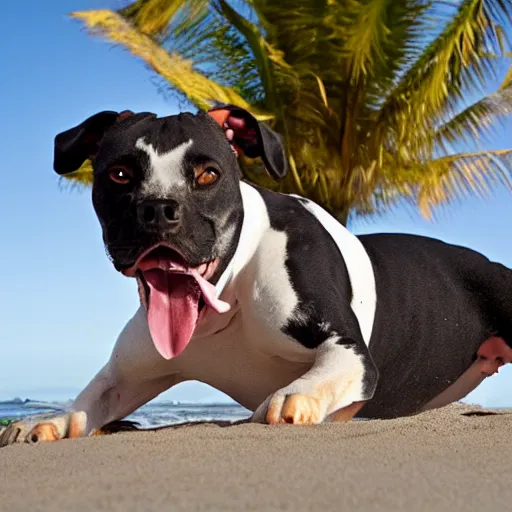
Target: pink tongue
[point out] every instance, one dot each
(173, 308)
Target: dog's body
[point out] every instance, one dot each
(307, 323)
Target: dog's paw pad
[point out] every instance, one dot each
(295, 409)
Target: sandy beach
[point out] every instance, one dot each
(456, 458)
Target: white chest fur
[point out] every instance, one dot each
(243, 361)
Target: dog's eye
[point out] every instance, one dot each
(206, 176)
(120, 174)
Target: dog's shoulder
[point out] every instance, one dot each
(312, 264)
(308, 238)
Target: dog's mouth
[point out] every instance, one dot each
(173, 294)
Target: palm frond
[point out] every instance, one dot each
(258, 48)
(218, 51)
(196, 87)
(441, 181)
(453, 64)
(153, 17)
(507, 81)
(80, 179)
(381, 35)
(476, 121)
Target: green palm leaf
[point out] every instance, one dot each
(456, 176)
(197, 88)
(477, 120)
(153, 17)
(455, 63)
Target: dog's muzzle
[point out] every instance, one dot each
(173, 293)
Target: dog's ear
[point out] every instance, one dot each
(74, 146)
(254, 139)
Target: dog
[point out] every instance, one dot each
(263, 295)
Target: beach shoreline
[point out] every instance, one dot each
(455, 458)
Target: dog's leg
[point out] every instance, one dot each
(134, 375)
(316, 311)
(342, 378)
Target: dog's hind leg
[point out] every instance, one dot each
(134, 375)
(492, 283)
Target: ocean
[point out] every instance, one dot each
(153, 414)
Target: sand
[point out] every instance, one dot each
(456, 458)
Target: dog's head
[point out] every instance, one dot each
(166, 192)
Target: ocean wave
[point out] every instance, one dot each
(150, 415)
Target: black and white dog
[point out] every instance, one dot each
(265, 296)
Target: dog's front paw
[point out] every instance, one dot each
(295, 409)
(44, 427)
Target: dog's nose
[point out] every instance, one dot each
(158, 214)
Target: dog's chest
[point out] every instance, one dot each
(245, 360)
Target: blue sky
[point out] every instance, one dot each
(62, 304)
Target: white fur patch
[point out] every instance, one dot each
(344, 368)
(166, 168)
(271, 290)
(359, 268)
(255, 223)
(273, 295)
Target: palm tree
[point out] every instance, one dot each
(378, 101)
